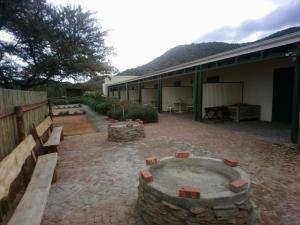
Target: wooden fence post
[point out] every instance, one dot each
(50, 108)
(21, 136)
(20, 123)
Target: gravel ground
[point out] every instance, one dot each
(74, 125)
(95, 118)
(97, 179)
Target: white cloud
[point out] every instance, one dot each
(282, 17)
(142, 30)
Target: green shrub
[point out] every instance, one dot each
(93, 98)
(75, 101)
(117, 114)
(104, 107)
(145, 113)
(134, 111)
(117, 110)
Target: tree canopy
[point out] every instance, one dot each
(45, 42)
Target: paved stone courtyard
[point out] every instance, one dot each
(97, 179)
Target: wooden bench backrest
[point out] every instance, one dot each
(43, 127)
(11, 165)
(31, 207)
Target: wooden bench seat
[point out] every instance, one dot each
(31, 207)
(55, 137)
(48, 135)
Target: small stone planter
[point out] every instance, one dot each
(125, 131)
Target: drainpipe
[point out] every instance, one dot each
(198, 89)
(119, 93)
(295, 106)
(127, 92)
(159, 95)
(140, 92)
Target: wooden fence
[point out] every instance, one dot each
(20, 111)
(32, 106)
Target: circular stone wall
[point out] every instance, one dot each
(125, 131)
(159, 202)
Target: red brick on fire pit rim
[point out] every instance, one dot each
(129, 125)
(230, 162)
(182, 154)
(189, 192)
(238, 185)
(139, 121)
(147, 176)
(151, 161)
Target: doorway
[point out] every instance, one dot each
(282, 95)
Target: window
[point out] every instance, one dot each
(214, 79)
(177, 84)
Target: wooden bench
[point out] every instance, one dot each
(48, 135)
(32, 205)
(11, 165)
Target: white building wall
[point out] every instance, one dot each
(185, 80)
(171, 95)
(258, 82)
(112, 80)
(149, 96)
(219, 94)
(123, 95)
(133, 96)
(115, 94)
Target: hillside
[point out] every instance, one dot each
(186, 53)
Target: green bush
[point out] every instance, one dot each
(134, 111)
(117, 114)
(145, 113)
(104, 107)
(93, 98)
(114, 108)
(75, 101)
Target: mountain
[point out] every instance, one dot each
(281, 33)
(186, 53)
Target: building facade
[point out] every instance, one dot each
(265, 73)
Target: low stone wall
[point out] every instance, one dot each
(154, 210)
(125, 131)
(159, 205)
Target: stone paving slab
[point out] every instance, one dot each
(97, 179)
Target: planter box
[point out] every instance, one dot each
(244, 112)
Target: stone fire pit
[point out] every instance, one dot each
(195, 191)
(125, 131)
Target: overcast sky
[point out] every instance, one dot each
(141, 30)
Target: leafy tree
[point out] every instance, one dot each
(51, 43)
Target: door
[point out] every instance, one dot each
(282, 95)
